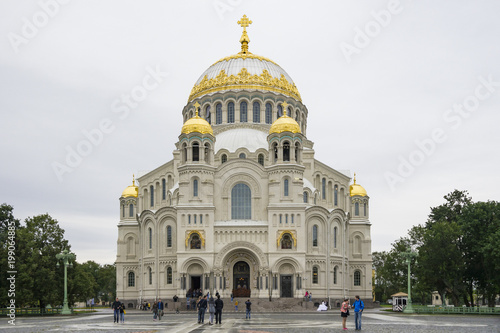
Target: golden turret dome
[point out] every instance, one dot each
(131, 191)
(356, 189)
(284, 123)
(197, 124)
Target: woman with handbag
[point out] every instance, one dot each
(344, 312)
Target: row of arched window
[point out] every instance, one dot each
(356, 276)
(158, 193)
(285, 218)
(131, 277)
(130, 210)
(168, 237)
(356, 209)
(314, 238)
(326, 188)
(195, 219)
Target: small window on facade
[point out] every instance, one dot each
(364, 209)
(123, 210)
(152, 195)
(315, 277)
(260, 159)
(293, 218)
(286, 218)
(356, 209)
(163, 189)
(207, 150)
(150, 271)
(194, 216)
(275, 152)
(281, 219)
(323, 188)
(269, 113)
(297, 146)
(196, 152)
(315, 235)
(184, 152)
(305, 197)
(336, 195)
(241, 202)
(131, 210)
(285, 187)
(218, 114)
(335, 272)
(208, 116)
(150, 233)
(286, 151)
(315, 197)
(280, 111)
(189, 218)
(256, 112)
(195, 188)
(131, 279)
(357, 278)
(195, 242)
(286, 242)
(169, 275)
(230, 112)
(242, 155)
(201, 219)
(335, 237)
(243, 112)
(169, 236)
(223, 158)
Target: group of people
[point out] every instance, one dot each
(118, 311)
(214, 306)
(358, 310)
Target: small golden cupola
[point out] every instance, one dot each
(197, 124)
(356, 189)
(132, 190)
(284, 123)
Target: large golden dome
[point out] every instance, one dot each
(356, 189)
(284, 123)
(245, 70)
(131, 191)
(197, 124)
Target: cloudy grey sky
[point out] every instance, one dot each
(404, 93)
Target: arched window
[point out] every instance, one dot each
(323, 188)
(256, 112)
(364, 209)
(123, 210)
(297, 152)
(280, 111)
(218, 114)
(357, 244)
(189, 218)
(306, 197)
(357, 278)
(260, 159)
(290, 112)
(269, 113)
(275, 152)
(184, 152)
(230, 112)
(169, 275)
(281, 218)
(315, 277)
(223, 158)
(169, 236)
(315, 235)
(131, 279)
(336, 195)
(151, 196)
(286, 151)
(356, 209)
(242, 155)
(130, 246)
(150, 271)
(335, 273)
(335, 237)
(163, 189)
(195, 242)
(241, 202)
(201, 219)
(131, 210)
(150, 234)
(195, 188)
(196, 151)
(285, 187)
(286, 242)
(207, 150)
(243, 112)
(208, 116)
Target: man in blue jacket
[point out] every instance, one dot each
(358, 310)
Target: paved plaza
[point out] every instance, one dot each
(374, 320)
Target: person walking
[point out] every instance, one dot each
(358, 310)
(154, 309)
(161, 306)
(249, 309)
(116, 310)
(211, 310)
(344, 312)
(236, 305)
(232, 297)
(202, 307)
(122, 313)
(219, 304)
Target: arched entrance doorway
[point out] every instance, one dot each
(241, 279)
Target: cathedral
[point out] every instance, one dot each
(243, 207)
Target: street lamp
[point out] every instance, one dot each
(408, 255)
(65, 257)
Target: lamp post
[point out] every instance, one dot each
(408, 255)
(65, 257)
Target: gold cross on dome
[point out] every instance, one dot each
(244, 22)
(284, 105)
(196, 106)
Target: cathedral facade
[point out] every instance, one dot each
(244, 208)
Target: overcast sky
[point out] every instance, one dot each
(406, 94)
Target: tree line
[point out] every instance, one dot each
(458, 255)
(38, 281)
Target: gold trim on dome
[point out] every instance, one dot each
(286, 232)
(245, 80)
(195, 232)
(243, 56)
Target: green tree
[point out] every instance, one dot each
(82, 285)
(106, 281)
